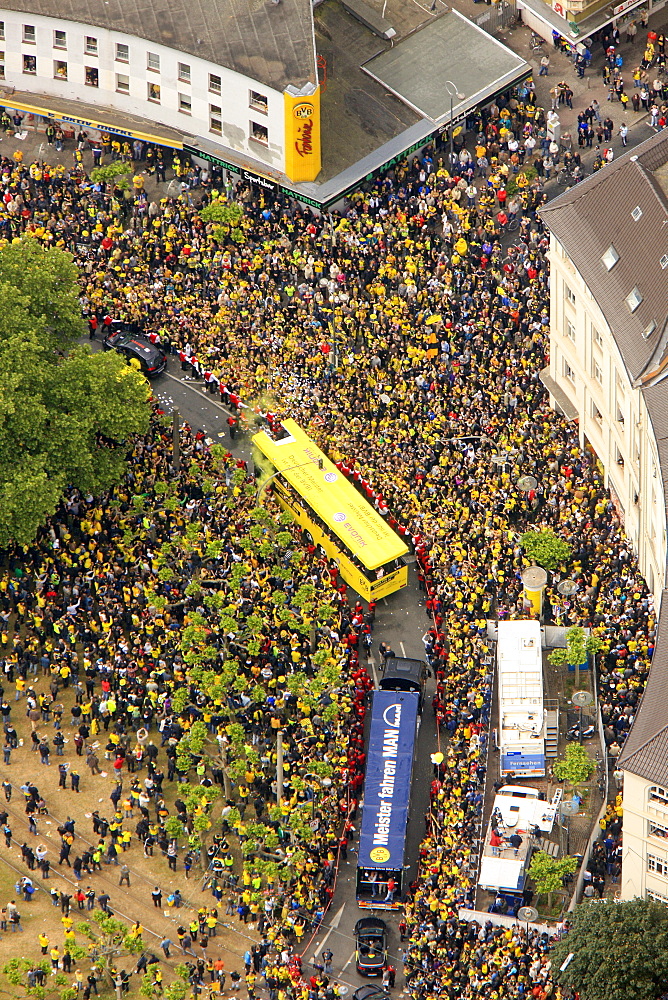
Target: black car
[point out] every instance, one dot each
(134, 346)
(401, 674)
(371, 991)
(371, 946)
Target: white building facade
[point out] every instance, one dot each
(172, 86)
(79, 62)
(645, 848)
(608, 362)
(587, 367)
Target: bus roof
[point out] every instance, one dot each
(387, 784)
(335, 501)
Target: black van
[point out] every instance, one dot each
(401, 674)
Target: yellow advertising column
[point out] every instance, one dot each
(534, 579)
(302, 134)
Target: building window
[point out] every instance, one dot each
(260, 133)
(2, 65)
(657, 794)
(656, 897)
(2, 29)
(633, 299)
(619, 458)
(657, 865)
(570, 330)
(215, 119)
(122, 83)
(59, 69)
(154, 92)
(568, 372)
(597, 372)
(569, 294)
(596, 414)
(184, 104)
(92, 76)
(91, 45)
(153, 62)
(258, 101)
(657, 830)
(596, 337)
(214, 83)
(30, 65)
(29, 33)
(60, 39)
(184, 72)
(610, 258)
(122, 52)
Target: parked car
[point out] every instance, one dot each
(134, 346)
(371, 946)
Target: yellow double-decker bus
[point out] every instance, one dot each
(368, 552)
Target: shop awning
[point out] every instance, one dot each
(92, 116)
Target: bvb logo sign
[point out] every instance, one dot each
(379, 855)
(303, 110)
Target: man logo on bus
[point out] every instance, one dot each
(392, 716)
(379, 855)
(339, 517)
(331, 477)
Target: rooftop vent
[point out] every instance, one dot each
(636, 213)
(610, 258)
(633, 299)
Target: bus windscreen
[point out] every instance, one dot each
(387, 789)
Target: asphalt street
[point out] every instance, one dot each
(401, 621)
(177, 390)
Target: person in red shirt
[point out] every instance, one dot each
(495, 842)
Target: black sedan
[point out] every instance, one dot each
(152, 359)
(371, 992)
(371, 946)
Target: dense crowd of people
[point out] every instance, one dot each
(408, 339)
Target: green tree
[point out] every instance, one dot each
(178, 990)
(618, 949)
(545, 548)
(548, 872)
(109, 172)
(40, 292)
(579, 647)
(575, 767)
(66, 415)
(226, 219)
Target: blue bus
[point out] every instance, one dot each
(387, 791)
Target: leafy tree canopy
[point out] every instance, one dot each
(548, 872)
(576, 767)
(619, 950)
(545, 548)
(66, 415)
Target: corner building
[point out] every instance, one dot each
(233, 78)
